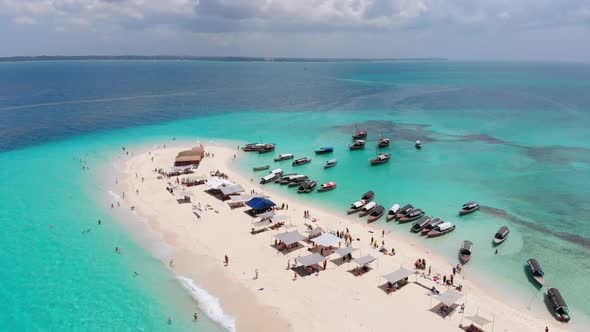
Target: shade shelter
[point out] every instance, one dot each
(193, 180)
(217, 183)
(479, 320)
(365, 260)
(345, 251)
(260, 203)
(449, 297)
(279, 218)
(266, 215)
(315, 231)
(398, 275)
(310, 260)
(327, 240)
(231, 190)
(290, 238)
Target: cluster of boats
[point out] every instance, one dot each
(301, 181)
(554, 299)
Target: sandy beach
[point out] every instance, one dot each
(333, 299)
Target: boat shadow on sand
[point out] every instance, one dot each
(525, 269)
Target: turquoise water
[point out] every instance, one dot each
(511, 136)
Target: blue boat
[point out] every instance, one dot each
(327, 149)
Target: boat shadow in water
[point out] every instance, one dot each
(527, 272)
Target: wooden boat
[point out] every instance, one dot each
(302, 187)
(468, 208)
(327, 186)
(284, 176)
(359, 133)
(356, 207)
(269, 178)
(419, 224)
(261, 168)
(252, 147)
(368, 208)
(368, 196)
(392, 212)
(501, 235)
(301, 161)
(418, 145)
(465, 251)
(297, 181)
(327, 149)
(430, 225)
(536, 271)
(357, 145)
(383, 142)
(411, 215)
(285, 156)
(330, 163)
(444, 228)
(311, 186)
(293, 178)
(557, 305)
(277, 171)
(405, 209)
(380, 159)
(285, 179)
(377, 213)
(266, 148)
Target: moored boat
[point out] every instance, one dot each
(536, 271)
(430, 225)
(301, 161)
(302, 187)
(311, 186)
(261, 168)
(418, 145)
(465, 251)
(327, 186)
(368, 196)
(392, 212)
(468, 208)
(327, 149)
(330, 163)
(252, 147)
(377, 213)
(382, 158)
(359, 134)
(383, 142)
(357, 145)
(501, 235)
(266, 148)
(411, 215)
(285, 179)
(295, 182)
(444, 228)
(269, 178)
(404, 210)
(419, 224)
(285, 156)
(368, 208)
(356, 207)
(284, 176)
(277, 171)
(557, 305)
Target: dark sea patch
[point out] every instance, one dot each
(582, 241)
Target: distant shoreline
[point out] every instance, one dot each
(198, 58)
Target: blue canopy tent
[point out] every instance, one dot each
(260, 203)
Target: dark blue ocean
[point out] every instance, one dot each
(513, 136)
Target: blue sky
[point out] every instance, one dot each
(456, 29)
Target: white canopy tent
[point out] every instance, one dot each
(316, 231)
(362, 261)
(231, 190)
(327, 240)
(479, 320)
(290, 238)
(312, 259)
(449, 297)
(345, 251)
(398, 275)
(279, 218)
(265, 215)
(216, 183)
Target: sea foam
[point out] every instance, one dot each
(209, 304)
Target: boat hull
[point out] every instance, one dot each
(325, 189)
(366, 213)
(464, 258)
(374, 218)
(353, 211)
(390, 217)
(499, 241)
(261, 168)
(408, 219)
(329, 165)
(434, 233)
(464, 212)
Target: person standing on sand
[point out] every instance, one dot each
(171, 264)
(226, 260)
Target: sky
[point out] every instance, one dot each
(542, 30)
